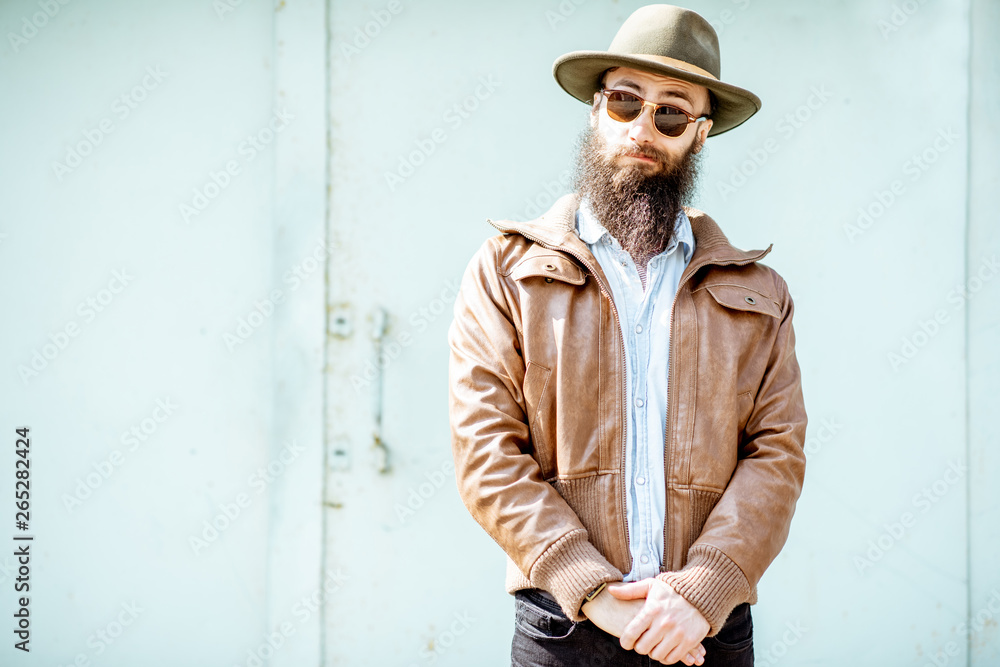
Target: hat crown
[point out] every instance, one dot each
(671, 32)
(665, 40)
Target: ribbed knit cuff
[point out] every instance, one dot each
(570, 569)
(711, 582)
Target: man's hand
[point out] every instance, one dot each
(667, 629)
(613, 615)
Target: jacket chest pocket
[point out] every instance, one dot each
(737, 321)
(566, 333)
(738, 324)
(540, 275)
(561, 315)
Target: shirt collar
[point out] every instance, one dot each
(591, 231)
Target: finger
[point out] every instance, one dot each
(695, 658)
(689, 660)
(633, 631)
(681, 652)
(669, 653)
(654, 643)
(631, 591)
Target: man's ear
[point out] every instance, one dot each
(703, 128)
(594, 108)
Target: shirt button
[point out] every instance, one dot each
(638, 402)
(638, 328)
(644, 559)
(640, 480)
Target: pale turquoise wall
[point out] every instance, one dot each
(82, 81)
(982, 329)
(857, 96)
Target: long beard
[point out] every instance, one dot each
(637, 207)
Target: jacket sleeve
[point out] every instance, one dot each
(749, 524)
(498, 479)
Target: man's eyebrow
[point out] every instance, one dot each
(683, 95)
(628, 83)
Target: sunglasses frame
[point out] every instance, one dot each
(690, 119)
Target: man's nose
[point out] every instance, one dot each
(642, 130)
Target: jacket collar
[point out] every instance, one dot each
(556, 228)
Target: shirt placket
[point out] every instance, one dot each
(638, 307)
(644, 330)
(640, 480)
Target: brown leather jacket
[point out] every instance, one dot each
(537, 409)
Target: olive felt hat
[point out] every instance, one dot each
(667, 40)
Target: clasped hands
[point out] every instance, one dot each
(651, 618)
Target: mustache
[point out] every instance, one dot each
(642, 151)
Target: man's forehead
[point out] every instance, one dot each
(650, 84)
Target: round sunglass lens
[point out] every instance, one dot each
(670, 122)
(623, 107)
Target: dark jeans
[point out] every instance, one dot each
(544, 637)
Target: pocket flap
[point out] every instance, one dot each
(739, 297)
(556, 267)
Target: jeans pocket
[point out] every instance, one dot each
(537, 621)
(737, 633)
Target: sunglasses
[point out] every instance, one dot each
(668, 120)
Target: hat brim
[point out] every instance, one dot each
(579, 74)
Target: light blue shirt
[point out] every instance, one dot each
(645, 322)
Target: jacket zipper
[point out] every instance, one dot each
(624, 403)
(666, 423)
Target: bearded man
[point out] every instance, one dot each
(625, 402)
